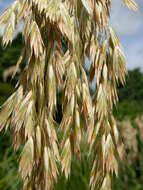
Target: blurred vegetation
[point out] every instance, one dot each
(128, 112)
(8, 58)
(9, 176)
(131, 96)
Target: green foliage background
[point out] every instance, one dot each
(130, 106)
(131, 96)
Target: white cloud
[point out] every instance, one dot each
(124, 21)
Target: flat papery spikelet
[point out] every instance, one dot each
(46, 159)
(9, 107)
(131, 4)
(6, 111)
(53, 164)
(53, 108)
(119, 65)
(26, 162)
(53, 140)
(36, 40)
(51, 86)
(9, 31)
(42, 4)
(66, 158)
(38, 140)
(57, 12)
(114, 38)
(77, 127)
(10, 20)
(106, 184)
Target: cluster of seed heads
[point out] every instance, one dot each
(58, 35)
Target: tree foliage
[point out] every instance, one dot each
(8, 57)
(30, 111)
(132, 93)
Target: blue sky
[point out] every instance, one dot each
(129, 26)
